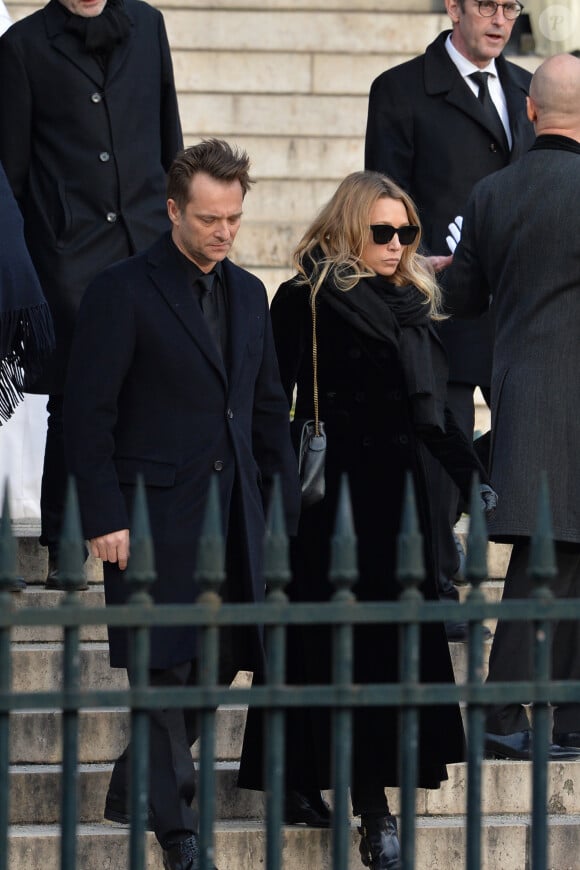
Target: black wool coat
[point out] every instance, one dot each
(86, 152)
(522, 243)
(148, 393)
(365, 406)
(428, 132)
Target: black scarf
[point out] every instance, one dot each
(101, 34)
(399, 316)
(26, 332)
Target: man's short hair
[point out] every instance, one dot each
(217, 158)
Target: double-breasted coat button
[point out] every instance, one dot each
(111, 217)
(230, 414)
(492, 146)
(96, 98)
(104, 156)
(403, 439)
(218, 465)
(367, 441)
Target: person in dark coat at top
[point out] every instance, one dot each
(429, 130)
(381, 386)
(89, 126)
(521, 245)
(181, 386)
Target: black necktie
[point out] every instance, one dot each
(209, 306)
(488, 106)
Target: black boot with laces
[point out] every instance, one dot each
(379, 846)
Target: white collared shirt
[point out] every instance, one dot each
(466, 67)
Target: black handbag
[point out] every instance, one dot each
(312, 449)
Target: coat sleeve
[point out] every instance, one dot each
(15, 115)
(289, 334)
(101, 355)
(171, 136)
(271, 431)
(389, 145)
(455, 453)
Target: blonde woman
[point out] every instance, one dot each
(381, 384)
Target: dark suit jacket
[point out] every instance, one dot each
(86, 153)
(148, 393)
(427, 131)
(521, 241)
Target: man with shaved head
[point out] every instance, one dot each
(521, 243)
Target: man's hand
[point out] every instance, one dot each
(113, 547)
(439, 262)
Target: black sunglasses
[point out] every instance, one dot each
(384, 233)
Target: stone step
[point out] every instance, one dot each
(36, 735)
(506, 790)
(506, 844)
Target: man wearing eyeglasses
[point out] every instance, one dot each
(437, 130)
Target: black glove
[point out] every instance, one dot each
(488, 500)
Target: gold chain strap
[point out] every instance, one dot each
(314, 363)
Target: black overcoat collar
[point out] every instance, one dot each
(442, 77)
(170, 278)
(71, 47)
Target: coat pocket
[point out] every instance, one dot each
(154, 473)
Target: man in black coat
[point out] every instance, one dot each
(521, 242)
(88, 129)
(428, 129)
(174, 376)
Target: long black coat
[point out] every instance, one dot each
(371, 436)
(522, 242)
(148, 393)
(427, 131)
(86, 153)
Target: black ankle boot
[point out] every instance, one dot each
(379, 846)
(306, 808)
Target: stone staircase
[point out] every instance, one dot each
(35, 749)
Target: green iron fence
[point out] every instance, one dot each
(342, 613)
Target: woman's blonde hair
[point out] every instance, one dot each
(341, 230)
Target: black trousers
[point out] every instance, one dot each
(172, 733)
(511, 655)
(54, 479)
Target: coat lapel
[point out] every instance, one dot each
(239, 311)
(171, 281)
(442, 77)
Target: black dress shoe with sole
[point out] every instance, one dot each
(306, 809)
(183, 855)
(54, 582)
(518, 747)
(379, 847)
(116, 810)
(567, 738)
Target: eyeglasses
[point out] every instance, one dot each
(488, 8)
(384, 233)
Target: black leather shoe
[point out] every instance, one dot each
(306, 809)
(116, 810)
(567, 738)
(379, 847)
(183, 855)
(518, 747)
(53, 580)
(459, 631)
